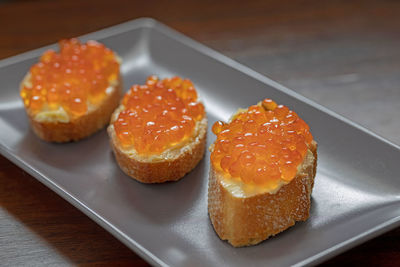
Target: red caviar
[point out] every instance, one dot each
(77, 76)
(262, 145)
(158, 115)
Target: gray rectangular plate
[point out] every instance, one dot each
(356, 194)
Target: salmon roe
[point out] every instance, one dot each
(262, 145)
(158, 115)
(73, 79)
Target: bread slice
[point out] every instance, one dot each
(245, 219)
(169, 165)
(59, 127)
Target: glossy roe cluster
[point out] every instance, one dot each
(262, 145)
(158, 115)
(77, 76)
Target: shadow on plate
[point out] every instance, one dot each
(166, 202)
(82, 154)
(270, 250)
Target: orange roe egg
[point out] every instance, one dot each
(261, 146)
(158, 115)
(77, 76)
(218, 127)
(269, 104)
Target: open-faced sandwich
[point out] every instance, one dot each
(158, 133)
(71, 94)
(263, 165)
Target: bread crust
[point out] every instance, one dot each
(82, 126)
(147, 170)
(249, 220)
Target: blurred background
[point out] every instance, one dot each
(342, 54)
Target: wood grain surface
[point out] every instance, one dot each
(343, 54)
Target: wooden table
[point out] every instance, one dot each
(342, 54)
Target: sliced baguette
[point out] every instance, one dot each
(170, 165)
(65, 129)
(245, 219)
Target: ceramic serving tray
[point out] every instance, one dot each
(357, 187)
